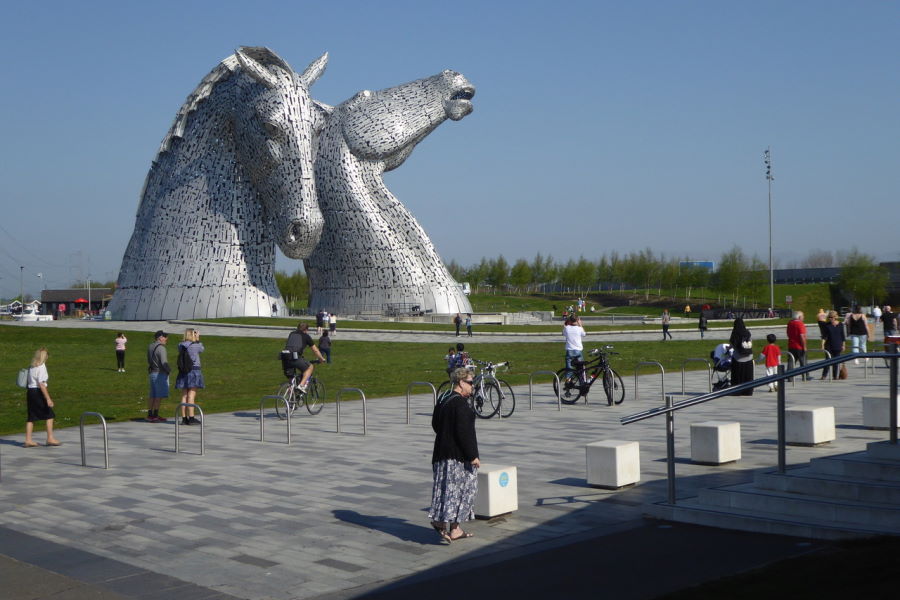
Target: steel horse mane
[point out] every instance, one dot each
(373, 253)
(233, 176)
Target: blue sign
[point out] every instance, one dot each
(504, 479)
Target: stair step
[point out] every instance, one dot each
(859, 465)
(691, 511)
(838, 487)
(748, 497)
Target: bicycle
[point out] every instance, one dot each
(490, 395)
(577, 382)
(313, 397)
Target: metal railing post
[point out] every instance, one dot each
(782, 459)
(105, 438)
(202, 425)
(649, 363)
(708, 372)
(409, 387)
(670, 450)
(287, 413)
(531, 389)
(337, 402)
(893, 394)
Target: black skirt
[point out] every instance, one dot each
(742, 372)
(37, 406)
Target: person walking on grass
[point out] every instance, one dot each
(325, 346)
(703, 323)
(37, 398)
(191, 380)
(121, 340)
(158, 367)
(666, 321)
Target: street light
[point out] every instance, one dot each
(769, 178)
(22, 289)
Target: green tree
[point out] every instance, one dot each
(294, 288)
(732, 265)
(498, 272)
(863, 279)
(456, 271)
(520, 275)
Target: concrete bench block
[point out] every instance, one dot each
(715, 442)
(498, 491)
(612, 464)
(809, 425)
(877, 412)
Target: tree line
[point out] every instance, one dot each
(737, 274)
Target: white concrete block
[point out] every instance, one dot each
(877, 412)
(613, 463)
(715, 442)
(498, 491)
(809, 425)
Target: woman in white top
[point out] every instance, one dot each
(121, 340)
(40, 406)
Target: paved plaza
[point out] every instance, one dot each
(337, 515)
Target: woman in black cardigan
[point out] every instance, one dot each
(454, 461)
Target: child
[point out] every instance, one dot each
(772, 354)
(451, 359)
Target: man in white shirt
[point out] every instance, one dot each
(574, 333)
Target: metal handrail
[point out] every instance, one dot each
(202, 426)
(531, 389)
(105, 438)
(409, 387)
(287, 412)
(708, 371)
(670, 408)
(337, 403)
(649, 363)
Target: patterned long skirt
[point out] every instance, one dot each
(453, 494)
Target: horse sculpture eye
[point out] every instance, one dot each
(272, 130)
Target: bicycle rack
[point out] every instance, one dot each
(287, 412)
(708, 371)
(105, 439)
(337, 403)
(178, 421)
(409, 387)
(531, 389)
(827, 353)
(650, 363)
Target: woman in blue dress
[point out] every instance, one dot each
(190, 381)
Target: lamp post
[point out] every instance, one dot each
(769, 178)
(22, 289)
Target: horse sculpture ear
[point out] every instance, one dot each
(314, 70)
(257, 70)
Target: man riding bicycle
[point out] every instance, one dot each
(292, 356)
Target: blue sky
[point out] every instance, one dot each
(598, 126)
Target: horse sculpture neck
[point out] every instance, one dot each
(215, 199)
(373, 255)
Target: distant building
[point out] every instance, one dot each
(75, 300)
(704, 264)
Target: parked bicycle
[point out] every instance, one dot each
(577, 382)
(313, 397)
(490, 395)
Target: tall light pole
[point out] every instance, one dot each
(770, 179)
(22, 288)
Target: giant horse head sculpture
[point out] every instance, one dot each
(233, 177)
(373, 254)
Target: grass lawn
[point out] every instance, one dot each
(554, 328)
(238, 371)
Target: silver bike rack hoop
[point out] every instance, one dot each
(662, 372)
(531, 389)
(287, 412)
(337, 403)
(708, 371)
(202, 425)
(105, 438)
(410, 386)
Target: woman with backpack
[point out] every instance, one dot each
(190, 377)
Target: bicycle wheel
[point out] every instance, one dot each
(286, 391)
(613, 386)
(571, 387)
(481, 405)
(443, 389)
(315, 396)
(506, 402)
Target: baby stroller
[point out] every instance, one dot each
(721, 357)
